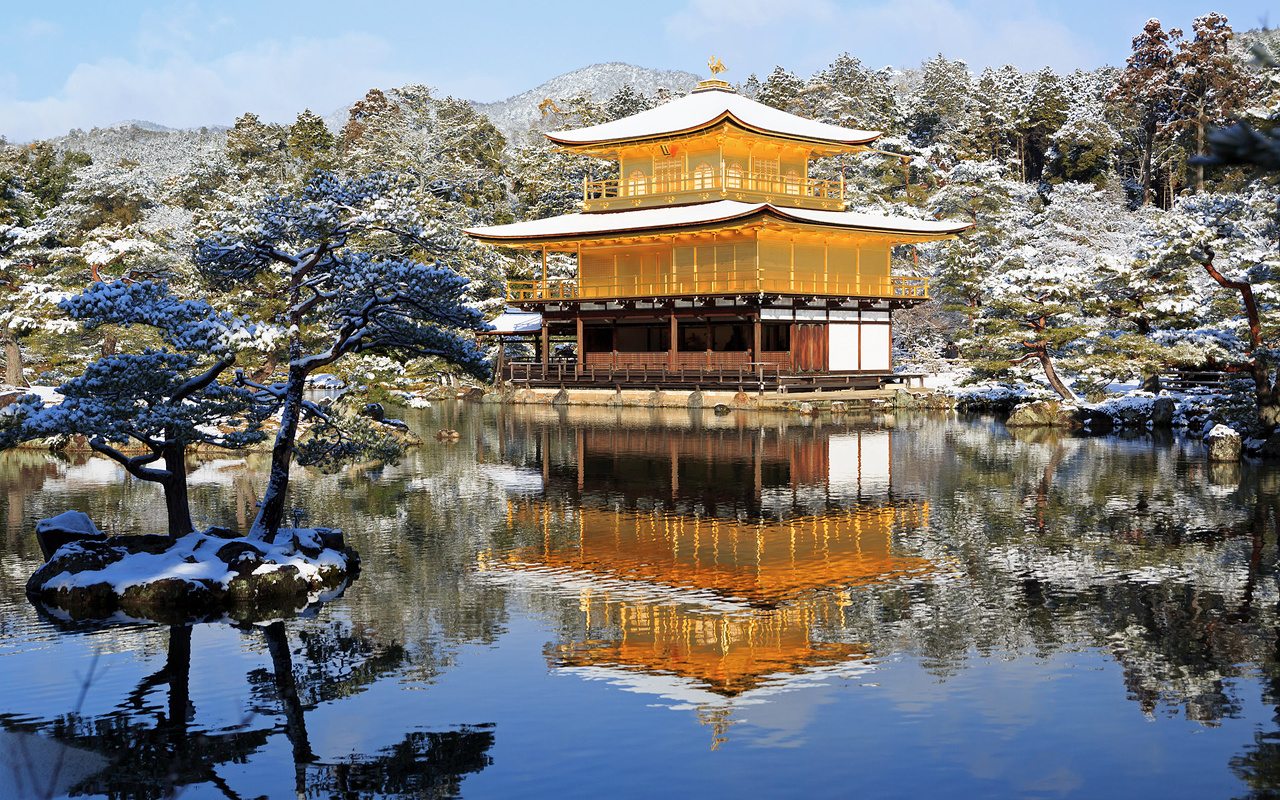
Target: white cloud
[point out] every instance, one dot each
(271, 79)
(39, 29)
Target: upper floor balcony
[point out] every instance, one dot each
(709, 184)
(894, 287)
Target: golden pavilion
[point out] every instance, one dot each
(714, 258)
(729, 584)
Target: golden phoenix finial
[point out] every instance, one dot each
(714, 64)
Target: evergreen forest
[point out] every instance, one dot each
(1105, 247)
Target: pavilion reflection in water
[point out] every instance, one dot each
(722, 559)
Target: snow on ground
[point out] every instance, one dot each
(48, 394)
(194, 558)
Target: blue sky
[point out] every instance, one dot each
(84, 64)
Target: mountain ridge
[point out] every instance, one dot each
(156, 145)
(520, 112)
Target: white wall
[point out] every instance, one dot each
(842, 341)
(875, 347)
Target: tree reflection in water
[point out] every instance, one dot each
(741, 556)
(155, 752)
(1259, 765)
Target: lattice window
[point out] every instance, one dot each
(733, 176)
(702, 176)
(793, 182)
(638, 183)
(767, 174)
(666, 175)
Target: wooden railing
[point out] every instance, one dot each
(716, 180)
(568, 372)
(1189, 380)
(677, 285)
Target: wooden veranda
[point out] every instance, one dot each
(745, 377)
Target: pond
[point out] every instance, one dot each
(632, 602)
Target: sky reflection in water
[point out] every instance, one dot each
(601, 602)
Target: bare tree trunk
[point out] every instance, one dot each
(1146, 162)
(175, 493)
(268, 367)
(1040, 352)
(1200, 152)
(174, 483)
(12, 359)
(271, 511)
(1265, 395)
(109, 343)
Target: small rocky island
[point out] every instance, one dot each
(202, 576)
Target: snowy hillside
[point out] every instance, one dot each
(163, 152)
(170, 152)
(517, 114)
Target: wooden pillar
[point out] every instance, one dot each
(497, 378)
(544, 274)
(582, 350)
(757, 338)
(545, 345)
(672, 360)
(797, 351)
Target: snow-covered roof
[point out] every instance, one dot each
(648, 219)
(709, 106)
(513, 320)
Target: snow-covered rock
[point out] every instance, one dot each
(1045, 414)
(196, 577)
(325, 380)
(1139, 409)
(1224, 444)
(69, 526)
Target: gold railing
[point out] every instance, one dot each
(552, 289)
(779, 187)
(671, 285)
(908, 286)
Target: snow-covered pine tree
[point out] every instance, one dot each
(996, 116)
(310, 142)
(1211, 84)
(979, 193)
(1233, 239)
(941, 104)
(1042, 306)
(626, 102)
(781, 89)
(1145, 89)
(254, 144)
(336, 247)
(546, 180)
(1046, 110)
(158, 401)
(847, 94)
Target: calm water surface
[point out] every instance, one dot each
(625, 603)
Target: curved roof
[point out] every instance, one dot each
(704, 108)
(571, 226)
